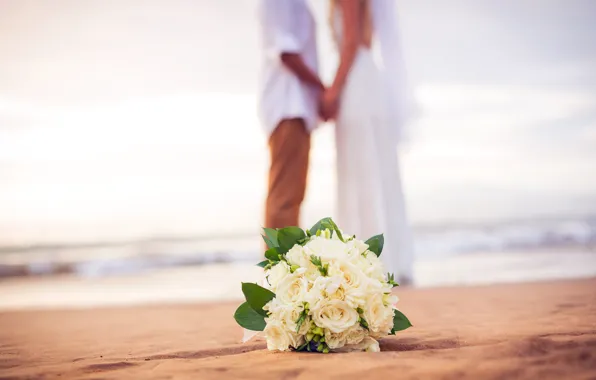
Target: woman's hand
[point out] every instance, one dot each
(329, 104)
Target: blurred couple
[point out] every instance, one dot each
(366, 100)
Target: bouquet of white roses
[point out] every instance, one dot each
(323, 291)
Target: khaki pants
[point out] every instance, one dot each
(289, 146)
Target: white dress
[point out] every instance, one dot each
(369, 193)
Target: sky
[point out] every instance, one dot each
(125, 119)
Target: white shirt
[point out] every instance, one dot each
(287, 26)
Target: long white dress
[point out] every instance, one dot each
(370, 196)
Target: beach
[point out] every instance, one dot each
(535, 330)
(135, 158)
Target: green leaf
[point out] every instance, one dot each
(316, 260)
(303, 347)
(400, 322)
(391, 280)
(257, 296)
(288, 237)
(324, 224)
(263, 264)
(303, 241)
(363, 323)
(336, 228)
(300, 321)
(320, 226)
(323, 268)
(302, 317)
(268, 242)
(375, 244)
(248, 318)
(272, 254)
(271, 235)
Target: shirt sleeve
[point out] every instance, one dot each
(280, 25)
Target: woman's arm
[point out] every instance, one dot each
(351, 27)
(351, 40)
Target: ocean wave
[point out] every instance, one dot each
(431, 243)
(434, 242)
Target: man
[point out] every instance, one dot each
(288, 103)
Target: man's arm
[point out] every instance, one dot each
(279, 22)
(294, 62)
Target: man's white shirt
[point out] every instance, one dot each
(287, 26)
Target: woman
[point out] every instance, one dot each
(369, 105)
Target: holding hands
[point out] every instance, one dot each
(329, 104)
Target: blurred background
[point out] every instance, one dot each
(133, 166)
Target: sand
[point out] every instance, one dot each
(516, 331)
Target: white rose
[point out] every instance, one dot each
(273, 308)
(376, 269)
(280, 338)
(339, 294)
(325, 288)
(334, 315)
(378, 315)
(290, 314)
(390, 299)
(356, 247)
(329, 285)
(277, 336)
(326, 249)
(314, 295)
(351, 275)
(305, 327)
(351, 336)
(378, 286)
(335, 340)
(355, 297)
(355, 335)
(370, 345)
(367, 344)
(361, 262)
(287, 315)
(296, 340)
(292, 288)
(312, 273)
(297, 256)
(276, 274)
(355, 283)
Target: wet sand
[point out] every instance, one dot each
(516, 331)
